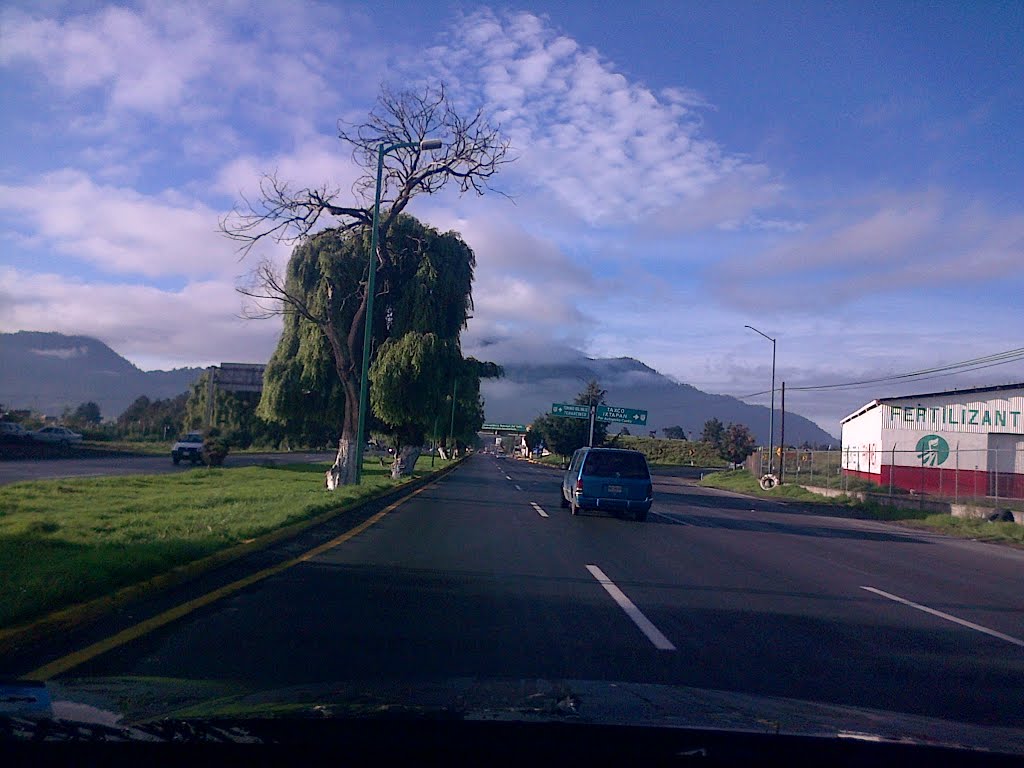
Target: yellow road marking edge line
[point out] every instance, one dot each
(72, 660)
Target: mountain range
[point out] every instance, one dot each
(48, 372)
(529, 389)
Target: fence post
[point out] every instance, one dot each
(995, 460)
(892, 468)
(956, 474)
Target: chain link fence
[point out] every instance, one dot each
(973, 476)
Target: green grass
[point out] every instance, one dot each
(670, 453)
(66, 541)
(972, 528)
(741, 481)
(148, 448)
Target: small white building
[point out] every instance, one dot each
(968, 441)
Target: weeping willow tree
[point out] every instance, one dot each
(420, 387)
(400, 134)
(424, 303)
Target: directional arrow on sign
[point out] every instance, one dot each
(622, 415)
(570, 410)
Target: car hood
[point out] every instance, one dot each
(134, 702)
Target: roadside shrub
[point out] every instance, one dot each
(215, 449)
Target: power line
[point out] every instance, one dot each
(965, 366)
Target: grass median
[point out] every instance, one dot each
(70, 540)
(741, 481)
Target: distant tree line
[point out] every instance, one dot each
(563, 436)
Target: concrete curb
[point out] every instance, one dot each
(13, 638)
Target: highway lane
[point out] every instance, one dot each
(470, 579)
(17, 470)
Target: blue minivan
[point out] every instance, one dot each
(609, 479)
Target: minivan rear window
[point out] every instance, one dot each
(616, 465)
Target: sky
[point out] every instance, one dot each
(845, 177)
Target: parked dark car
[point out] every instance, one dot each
(11, 432)
(609, 479)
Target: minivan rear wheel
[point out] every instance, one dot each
(563, 500)
(641, 515)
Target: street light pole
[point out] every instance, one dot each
(371, 287)
(771, 417)
(451, 431)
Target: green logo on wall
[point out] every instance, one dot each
(932, 450)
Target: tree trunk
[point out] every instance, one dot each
(405, 461)
(344, 470)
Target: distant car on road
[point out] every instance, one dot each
(610, 479)
(11, 432)
(62, 436)
(189, 447)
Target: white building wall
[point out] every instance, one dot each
(862, 442)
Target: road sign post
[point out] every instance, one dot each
(595, 413)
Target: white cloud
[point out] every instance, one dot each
(159, 57)
(197, 325)
(607, 148)
(117, 229)
(889, 244)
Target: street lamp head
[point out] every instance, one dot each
(428, 144)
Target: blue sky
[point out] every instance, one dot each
(846, 177)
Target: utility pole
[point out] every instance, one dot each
(782, 437)
(593, 418)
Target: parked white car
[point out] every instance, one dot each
(60, 435)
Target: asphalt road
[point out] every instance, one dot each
(483, 575)
(15, 470)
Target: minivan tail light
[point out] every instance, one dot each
(650, 490)
(579, 486)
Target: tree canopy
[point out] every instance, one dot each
(424, 304)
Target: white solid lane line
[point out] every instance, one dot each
(537, 507)
(653, 633)
(946, 616)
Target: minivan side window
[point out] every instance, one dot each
(576, 459)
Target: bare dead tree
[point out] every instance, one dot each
(472, 152)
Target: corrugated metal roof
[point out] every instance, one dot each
(971, 391)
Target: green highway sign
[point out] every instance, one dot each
(623, 415)
(570, 410)
(503, 427)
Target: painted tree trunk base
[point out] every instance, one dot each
(344, 470)
(405, 461)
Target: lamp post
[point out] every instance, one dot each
(771, 418)
(371, 287)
